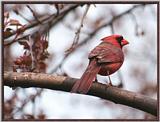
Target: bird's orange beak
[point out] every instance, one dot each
(124, 42)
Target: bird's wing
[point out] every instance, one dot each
(107, 53)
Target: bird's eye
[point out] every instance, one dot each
(119, 39)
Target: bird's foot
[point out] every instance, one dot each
(95, 81)
(110, 83)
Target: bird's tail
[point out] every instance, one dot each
(83, 85)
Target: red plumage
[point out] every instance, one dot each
(105, 59)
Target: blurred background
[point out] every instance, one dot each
(69, 32)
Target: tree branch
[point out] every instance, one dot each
(52, 19)
(54, 82)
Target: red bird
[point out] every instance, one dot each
(105, 59)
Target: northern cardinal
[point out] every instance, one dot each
(104, 59)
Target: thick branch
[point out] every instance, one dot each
(54, 82)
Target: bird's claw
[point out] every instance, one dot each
(95, 81)
(110, 84)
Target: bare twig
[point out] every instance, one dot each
(21, 15)
(34, 14)
(117, 95)
(68, 25)
(7, 43)
(93, 33)
(53, 19)
(30, 98)
(77, 33)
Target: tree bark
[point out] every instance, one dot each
(55, 82)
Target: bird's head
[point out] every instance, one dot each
(116, 40)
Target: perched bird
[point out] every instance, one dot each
(104, 59)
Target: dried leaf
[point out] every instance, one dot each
(21, 29)
(6, 15)
(28, 116)
(42, 65)
(25, 44)
(45, 45)
(27, 60)
(8, 32)
(18, 61)
(14, 22)
(41, 116)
